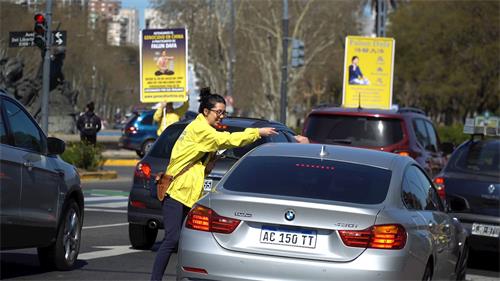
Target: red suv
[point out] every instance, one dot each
(406, 131)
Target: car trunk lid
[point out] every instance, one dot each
(305, 229)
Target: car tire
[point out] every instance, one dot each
(63, 253)
(146, 146)
(141, 236)
(428, 272)
(462, 263)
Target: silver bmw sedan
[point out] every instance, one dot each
(322, 212)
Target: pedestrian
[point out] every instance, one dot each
(166, 115)
(197, 144)
(89, 124)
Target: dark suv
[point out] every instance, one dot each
(406, 131)
(144, 210)
(41, 201)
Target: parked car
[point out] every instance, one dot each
(144, 210)
(41, 200)
(322, 212)
(471, 183)
(405, 131)
(139, 133)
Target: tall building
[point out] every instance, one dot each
(123, 29)
(103, 10)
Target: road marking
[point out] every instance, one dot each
(105, 192)
(473, 277)
(105, 198)
(105, 210)
(110, 251)
(105, 225)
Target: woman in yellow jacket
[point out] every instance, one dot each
(198, 139)
(166, 115)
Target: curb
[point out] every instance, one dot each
(121, 162)
(100, 175)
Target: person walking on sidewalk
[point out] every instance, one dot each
(197, 144)
(89, 124)
(166, 115)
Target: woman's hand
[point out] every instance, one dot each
(301, 139)
(265, 132)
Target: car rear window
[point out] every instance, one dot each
(479, 158)
(164, 144)
(310, 178)
(354, 130)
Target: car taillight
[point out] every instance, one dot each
(402, 152)
(386, 236)
(131, 130)
(143, 170)
(439, 181)
(205, 219)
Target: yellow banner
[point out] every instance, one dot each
(164, 65)
(368, 72)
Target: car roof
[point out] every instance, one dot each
(246, 122)
(368, 111)
(333, 152)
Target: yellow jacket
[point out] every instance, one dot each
(165, 119)
(196, 140)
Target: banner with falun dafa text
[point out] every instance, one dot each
(163, 65)
(368, 72)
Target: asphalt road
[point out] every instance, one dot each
(105, 252)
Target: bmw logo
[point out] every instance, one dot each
(290, 215)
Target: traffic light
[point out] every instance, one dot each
(40, 31)
(297, 53)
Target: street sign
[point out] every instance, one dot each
(26, 38)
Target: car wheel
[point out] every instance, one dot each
(428, 272)
(462, 264)
(63, 253)
(141, 236)
(146, 146)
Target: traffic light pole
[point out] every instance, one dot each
(284, 64)
(46, 69)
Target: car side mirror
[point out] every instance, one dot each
(447, 148)
(55, 146)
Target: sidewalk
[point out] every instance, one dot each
(114, 157)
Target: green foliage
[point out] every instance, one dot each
(447, 57)
(84, 156)
(453, 134)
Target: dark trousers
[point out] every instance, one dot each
(89, 139)
(174, 213)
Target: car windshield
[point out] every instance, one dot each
(310, 178)
(480, 157)
(354, 130)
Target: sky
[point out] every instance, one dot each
(140, 5)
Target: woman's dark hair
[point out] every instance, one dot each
(208, 100)
(355, 57)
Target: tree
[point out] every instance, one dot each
(259, 50)
(447, 57)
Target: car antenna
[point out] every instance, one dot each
(323, 152)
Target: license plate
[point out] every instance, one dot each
(288, 237)
(485, 230)
(207, 185)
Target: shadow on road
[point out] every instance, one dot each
(18, 265)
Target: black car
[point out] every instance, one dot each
(144, 210)
(471, 183)
(41, 200)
